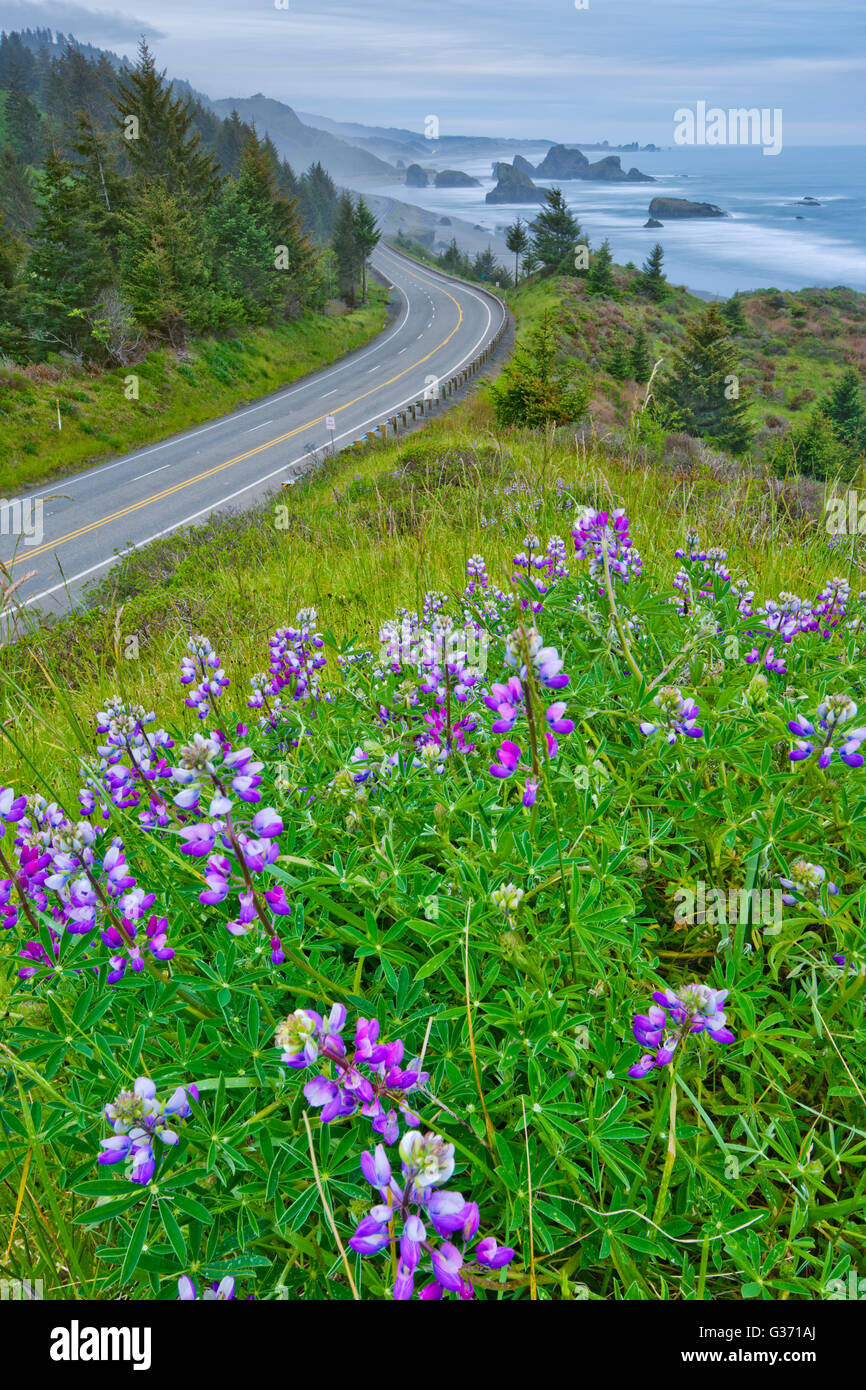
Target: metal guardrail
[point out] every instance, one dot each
(450, 386)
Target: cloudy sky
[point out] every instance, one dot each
(617, 69)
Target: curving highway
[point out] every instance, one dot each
(440, 327)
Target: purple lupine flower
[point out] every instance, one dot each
(598, 533)
(370, 1079)
(679, 716)
(198, 840)
(202, 665)
(220, 1291)
(806, 884)
(674, 1015)
(509, 756)
(833, 712)
(403, 1215)
(12, 807)
(555, 721)
(138, 1120)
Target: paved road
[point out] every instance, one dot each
(439, 327)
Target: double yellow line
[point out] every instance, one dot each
(250, 453)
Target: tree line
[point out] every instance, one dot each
(129, 212)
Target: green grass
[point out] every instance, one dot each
(213, 377)
(754, 1191)
(377, 526)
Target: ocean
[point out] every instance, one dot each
(762, 243)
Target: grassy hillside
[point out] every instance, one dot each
(794, 346)
(175, 391)
(382, 524)
(621, 932)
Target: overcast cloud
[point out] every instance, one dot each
(617, 70)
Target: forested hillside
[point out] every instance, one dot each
(131, 215)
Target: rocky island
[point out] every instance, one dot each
(681, 207)
(513, 186)
(454, 178)
(562, 162)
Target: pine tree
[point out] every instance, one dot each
(23, 127)
(319, 200)
(530, 261)
(486, 268)
(618, 361)
(536, 390)
(165, 266)
(17, 203)
(367, 238)
(70, 261)
(517, 241)
(732, 313)
(230, 143)
(600, 279)
(846, 411)
(813, 448)
(159, 141)
(652, 279)
(703, 386)
(12, 253)
(345, 249)
(291, 262)
(555, 233)
(640, 363)
(242, 260)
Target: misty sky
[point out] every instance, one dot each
(617, 70)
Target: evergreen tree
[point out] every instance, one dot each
(70, 262)
(453, 260)
(846, 411)
(319, 200)
(159, 141)
(813, 448)
(290, 258)
(732, 313)
(485, 267)
(23, 127)
(618, 361)
(640, 363)
(288, 182)
(530, 261)
(367, 238)
(653, 281)
(17, 65)
(241, 257)
(17, 202)
(555, 233)
(230, 143)
(12, 252)
(517, 241)
(165, 269)
(345, 248)
(702, 387)
(600, 279)
(535, 390)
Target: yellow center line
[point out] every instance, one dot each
(260, 448)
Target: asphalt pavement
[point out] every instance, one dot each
(438, 327)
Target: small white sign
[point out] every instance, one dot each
(330, 422)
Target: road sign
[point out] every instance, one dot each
(330, 422)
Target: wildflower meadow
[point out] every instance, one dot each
(360, 976)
